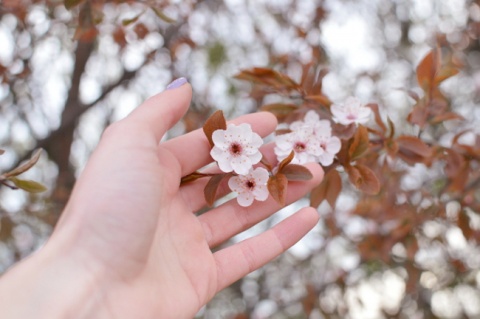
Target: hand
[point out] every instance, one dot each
(129, 244)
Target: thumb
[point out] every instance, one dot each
(160, 112)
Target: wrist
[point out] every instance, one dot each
(48, 284)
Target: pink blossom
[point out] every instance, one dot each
(352, 111)
(236, 148)
(303, 142)
(330, 146)
(251, 186)
(311, 139)
(312, 120)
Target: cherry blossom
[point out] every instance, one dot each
(312, 120)
(311, 139)
(352, 111)
(236, 148)
(251, 186)
(330, 146)
(303, 142)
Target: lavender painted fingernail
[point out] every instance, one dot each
(177, 83)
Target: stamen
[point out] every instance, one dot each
(299, 147)
(235, 148)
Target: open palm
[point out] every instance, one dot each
(133, 229)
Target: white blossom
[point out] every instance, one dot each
(236, 148)
(251, 186)
(303, 142)
(312, 120)
(330, 146)
(352, 111)
(311, 140)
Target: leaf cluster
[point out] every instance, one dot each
(11, 179)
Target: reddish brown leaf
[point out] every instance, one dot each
(286, 161)
(391, 126)
(269, 77)
(427, 69)
(413, 150)
(378, 118)
(282, 131)
(280, 110)
(295, 172)
(215, 122)
(419, 114)
(459, 181)
(412, 247)
(413, 95)
(277, 186)
(363, 178)
(210, 190)
(310, 300)
(360, 143)
(454, 162)
(391, 147)
(6, 228)
(329, 189)
(463, 223)
(192, 177)
(320, 99)
(445, 73)
(266, 163)
(344, 132)
(26, 166)
(447, 116)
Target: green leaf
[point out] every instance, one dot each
(126, 22)
(162, 16)
(28, 185)
(71, 3)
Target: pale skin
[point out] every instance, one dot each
(129, 244)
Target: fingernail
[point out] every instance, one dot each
(177, 83)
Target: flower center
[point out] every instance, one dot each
(299, 147)
(235, 149)
(351, 116)
(250, 184)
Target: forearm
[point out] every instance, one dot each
(48, 286)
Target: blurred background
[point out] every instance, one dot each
(69, 68)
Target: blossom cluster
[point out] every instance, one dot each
(311, 140)
(236, 149)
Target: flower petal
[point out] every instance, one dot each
(245, 199)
